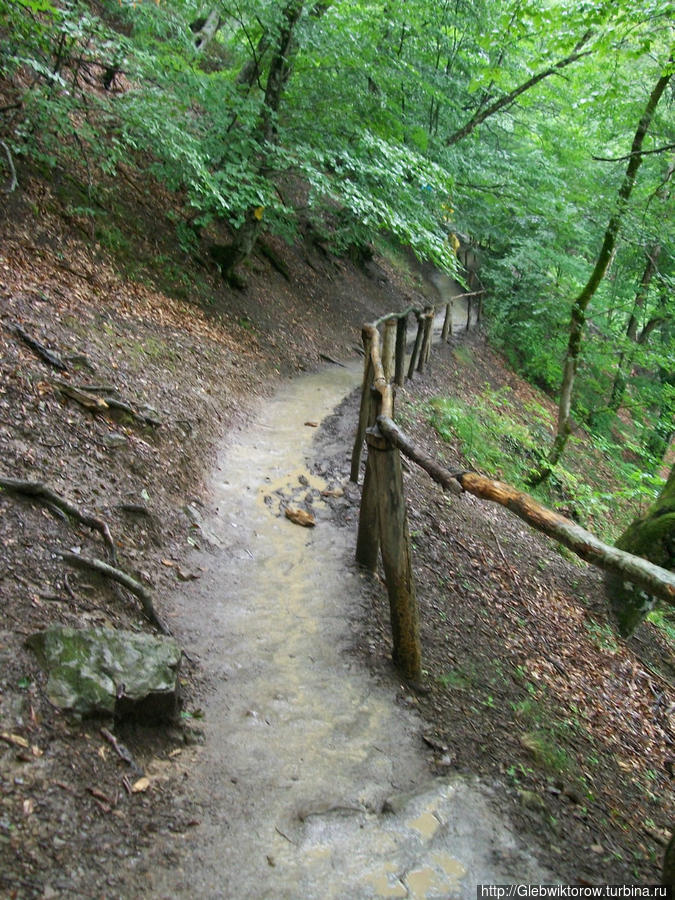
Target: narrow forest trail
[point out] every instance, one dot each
(313, 781)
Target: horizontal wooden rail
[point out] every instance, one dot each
(653, 579)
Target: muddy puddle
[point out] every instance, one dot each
(312, 782)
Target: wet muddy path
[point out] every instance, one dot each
(313, 781)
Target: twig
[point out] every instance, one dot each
(44, 352)
(14, 181)
(71, 592)
(46, 495)
(329, 359)
(121, 750)
(135, 587)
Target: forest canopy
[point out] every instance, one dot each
(508, 123)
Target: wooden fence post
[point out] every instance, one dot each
(368, 536)
(365, 411)
(428, 320)
(401, 333)
(468, 313)
(389, 348)
(417, 344)
(447, 322)
(396, 559)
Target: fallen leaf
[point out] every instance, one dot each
(300, 517)
(312, 424)
(183, 575)
(140, 786)
(15, 739)
(28, 806)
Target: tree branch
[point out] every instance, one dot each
(509, 98)
(634, 153)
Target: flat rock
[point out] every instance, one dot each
(100, 671)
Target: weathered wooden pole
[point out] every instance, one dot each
(417, 344)
(428, 320)
(389, 348)
(429, 343)
(396, 559)
(401, 333)
(368, 536)
(447, 322)
(365, 411)
(468, 313)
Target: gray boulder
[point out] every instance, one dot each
(99, 671)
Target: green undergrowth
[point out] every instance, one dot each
(506, 439)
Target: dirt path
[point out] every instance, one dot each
(313, 782)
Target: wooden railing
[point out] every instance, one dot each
(383, 525)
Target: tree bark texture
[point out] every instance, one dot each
(396, 561)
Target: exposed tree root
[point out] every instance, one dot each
(135, 587)
(46, 495)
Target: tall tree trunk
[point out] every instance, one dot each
(278, 73)
(626, 356)
(653, 537)
(578, 316)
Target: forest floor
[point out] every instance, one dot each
(529, 687)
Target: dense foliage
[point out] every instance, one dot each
(508, 122)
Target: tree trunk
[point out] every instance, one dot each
(626, 356)
(578, 316)
(266, 132)
(205, 29)
(653, 537)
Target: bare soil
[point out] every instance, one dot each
(528, 685)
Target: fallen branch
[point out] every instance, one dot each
(46, 495)
(329, 359)
(44, 352)
(653, 579)
(135, 587)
